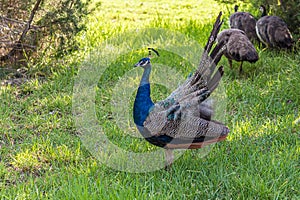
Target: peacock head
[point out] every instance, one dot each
(145, 62)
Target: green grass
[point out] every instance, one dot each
(42, 156)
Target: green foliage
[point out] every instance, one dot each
(42, 157)
(62, 20)
(54, 28)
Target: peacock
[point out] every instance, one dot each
(183, 119)
(273, 31)
(238, 47)
(245, 22)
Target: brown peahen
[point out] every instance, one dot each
(238, 47)
(182, 120)
(273, 31)
(245, 22)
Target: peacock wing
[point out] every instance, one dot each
(188, 126)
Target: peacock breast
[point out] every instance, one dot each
(142, 104)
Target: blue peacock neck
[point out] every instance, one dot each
(143, 102)
(146, 76)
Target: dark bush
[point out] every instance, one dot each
(61, 21)
(51, 33)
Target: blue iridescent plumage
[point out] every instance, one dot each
(142, 104)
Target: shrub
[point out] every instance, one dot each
(52, 31)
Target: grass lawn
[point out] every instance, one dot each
(43, 157)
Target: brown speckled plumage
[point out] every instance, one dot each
(245, 22)
(273, 31)
(238, 46)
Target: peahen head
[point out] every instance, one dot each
(145, 62)
(236, 7)
(263, 10)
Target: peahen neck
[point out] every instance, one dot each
(143, 102)
(264, 12)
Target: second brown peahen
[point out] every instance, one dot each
(182, 120)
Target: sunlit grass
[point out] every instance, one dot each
(42, 157)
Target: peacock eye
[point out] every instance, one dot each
(144, 62)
